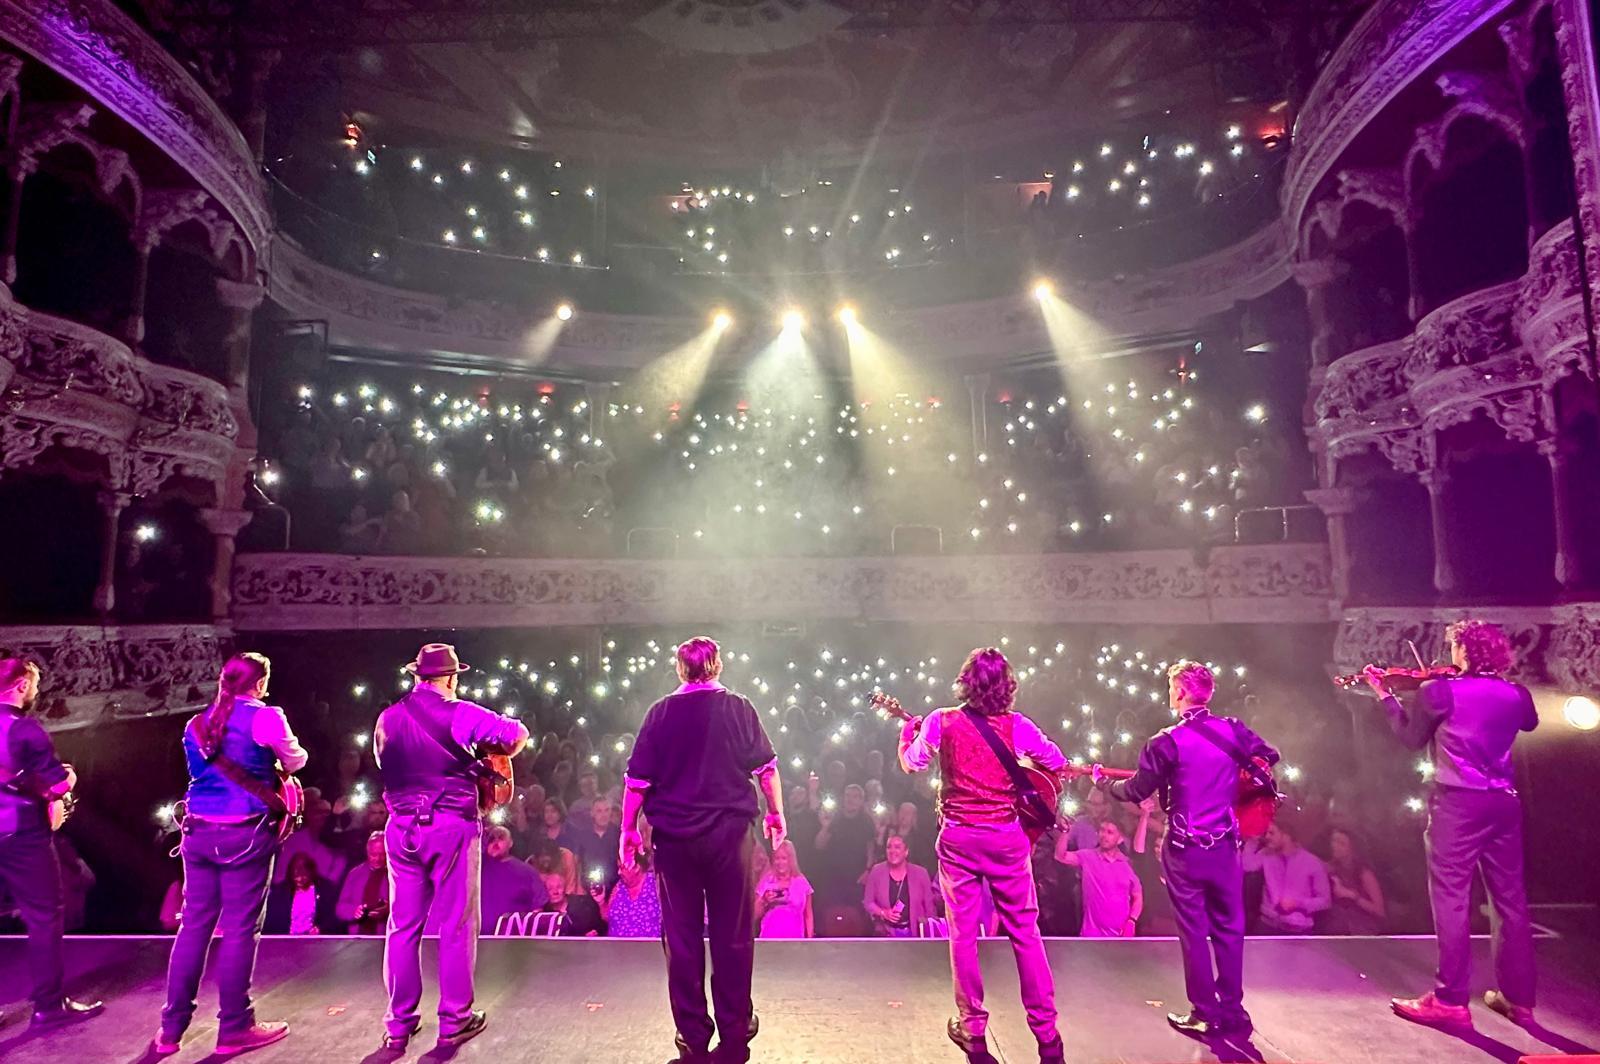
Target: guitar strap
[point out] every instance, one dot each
(1026, 792)
(1262, 776)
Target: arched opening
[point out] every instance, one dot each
(185, 324)
(1496, 560)
(1389, 533)
(163, 562)
(1369, 302)
(1473, 214)
(1578, 434)
(75, 257)
(49, 546)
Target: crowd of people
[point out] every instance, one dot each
(1152, 459)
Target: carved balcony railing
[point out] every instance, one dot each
(366, 313)
(69, 385)
(1494, 351)
(1287, 583)
(1557, 645)
(94, 673)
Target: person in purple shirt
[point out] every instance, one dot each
(509, 885)
(427, 746)
(1112, 895)
(1469, 722)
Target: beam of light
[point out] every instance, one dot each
(679, 375)
(541, 339)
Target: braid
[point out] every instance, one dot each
(240, 674)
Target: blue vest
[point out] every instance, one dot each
(213, 792)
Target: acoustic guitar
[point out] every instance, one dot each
(290, 795)
(1038, 804)
(493, 775)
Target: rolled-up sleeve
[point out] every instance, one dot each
(757, 746)
(919, 751)
(270, 729)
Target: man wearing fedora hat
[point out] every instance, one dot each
(427, 746)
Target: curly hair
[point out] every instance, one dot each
(1486, 646)
(986, 683)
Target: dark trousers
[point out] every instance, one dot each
(1468, 830)
(226, 870)
(1207, 888)
(704, 883)
(29, 870)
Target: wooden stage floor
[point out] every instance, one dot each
(604, 1002)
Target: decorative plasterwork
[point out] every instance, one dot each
(1281, 582)
(1392, 45)
(1554, 644)
(367, 314)
(94, 673)
(93, 44)
(1580, 86)
(1494, 351)
(71, 386)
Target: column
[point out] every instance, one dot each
(599, 396)
(112, 503)
(224, 526)
(978, 397)
(240, 299)
(139, 291)
(1337, 504)
(1437, 481)
(1569, 554)
(250, 99)
(1315, 278)
(15, 176)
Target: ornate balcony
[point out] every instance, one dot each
(94, 673)
(1557, 645)
(1280, 583)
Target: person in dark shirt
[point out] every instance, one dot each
(842, 850)
(30, 777)
(690, 773)
(580, 913)
(595, 844)
(509, 885)
(1195, 765)
(1470, 722)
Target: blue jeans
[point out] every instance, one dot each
(226, 870)
(432, 867)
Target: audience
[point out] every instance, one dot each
(303, 902)
(595, 845)
(1358, 903)
(579, 913)
(783, 898)
(508, 885)
(1295, 881)
(1113, 897)
(364, 899)
(899, 894)
(633, 908)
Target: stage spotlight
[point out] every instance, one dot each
(1581, 712)
(721, 320)
(564, 312)
(847, 315)
(1043, 290)
(793, 319)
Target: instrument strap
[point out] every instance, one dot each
(441, 738)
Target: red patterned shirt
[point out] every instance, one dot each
(974, 787)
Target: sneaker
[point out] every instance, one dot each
(1053, 1051)
(68, 1011)
(1192, 1023)
(1428, 1009)
(1521, 1015)
(164, 1044)
(965, 1042)
(474, 1026)
(396, 1043)
(253, 1037)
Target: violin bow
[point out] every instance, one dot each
(1416, 655)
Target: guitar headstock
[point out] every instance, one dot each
(890, 705)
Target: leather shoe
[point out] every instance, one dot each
(1053, 1051)
(1192, 1023)
(964, 1041)
(1430, 1010)
(1521, 1015)
(68, 1011)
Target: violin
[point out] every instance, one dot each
(1398, 677)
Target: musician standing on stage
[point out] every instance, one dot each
(27, 853)
(230, 839)
(981, 842)
(1474, 820)
(1198, 780)
(690, 772)
(427, 746)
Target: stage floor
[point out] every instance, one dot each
(604, 1002)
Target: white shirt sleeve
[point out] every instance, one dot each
(270, 728)
(919, 752)
(1029, 741)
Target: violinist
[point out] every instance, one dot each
(1470, 720)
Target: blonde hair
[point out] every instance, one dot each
(786, 846)
(986, 683)
(1194, 680)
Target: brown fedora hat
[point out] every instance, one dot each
(436, 659)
